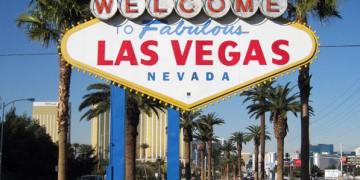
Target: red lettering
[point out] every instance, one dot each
(180, 57)
(254, 46)
(248, 6)
(101, 55)
(235, 55)
(157, 9)
(276, 49)
(182, 2)
(200, 53)
(103, 5)
(216, 10)
(126, 46)
(269, 4)
(146, 51)
(128, 5)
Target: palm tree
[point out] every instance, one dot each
(279, 102)
(239, 138)
(44, 22)
(258, 94)
(254, 134)
(214, 154)
(144, 146)
(202, 135)
(299, 10)
(187, 123)
(135, 104)
(209, 121)
(228, 147)
(99, 101)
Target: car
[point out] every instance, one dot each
(91, 177)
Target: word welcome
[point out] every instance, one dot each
(105, 9)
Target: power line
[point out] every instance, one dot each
(30, 54)
(341, 46)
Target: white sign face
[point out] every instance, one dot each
(103, 9)
(332, 173)
(273, 8)
(132, 9)
(216, 8)
(187, 64)
(244, 8)
(160, 9)
(188, 8)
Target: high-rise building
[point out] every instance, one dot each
(46, 114)
(152, 130)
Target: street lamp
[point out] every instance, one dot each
(159, 160)
(2, 126)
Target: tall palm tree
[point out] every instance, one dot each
(279, 102)
(299, 10)
(202, 135)
(44, 22)
(215, 152)
(255, 134)
(187, 123)
(144, 146)
(135, 104)
(239, 138)
(228, 147)
(258, 94)
(209, 121)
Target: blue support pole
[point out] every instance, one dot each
(116, 168)
(173, 144)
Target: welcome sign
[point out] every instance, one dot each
(188, 62)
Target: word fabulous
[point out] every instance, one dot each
(132, 9)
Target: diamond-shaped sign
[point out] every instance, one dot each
(189, 63)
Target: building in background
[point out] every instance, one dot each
(326, 160)
(100, 137)
(320, 149)
(152, 130)
(46, 114)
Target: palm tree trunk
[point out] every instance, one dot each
(209, 160)
(133, 115)
(227, 165)
(262, 146)
(146, 177)
(187, 154)
(202, 157)
(280, 160)
(304, 86)
(213, 166)
(234, 171)
(256, 164)
(239, 149)
(63, 117)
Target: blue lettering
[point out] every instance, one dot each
(148, 28)
(152, 76)
(165, 30)
(166, 76)
(225, 76)
(209, 76)
(194, 76)
(180, 77)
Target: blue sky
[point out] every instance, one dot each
(335, 81)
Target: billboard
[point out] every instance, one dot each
(189, 63)
(351, 160)
(332, 173)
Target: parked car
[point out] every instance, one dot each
(91, 177)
